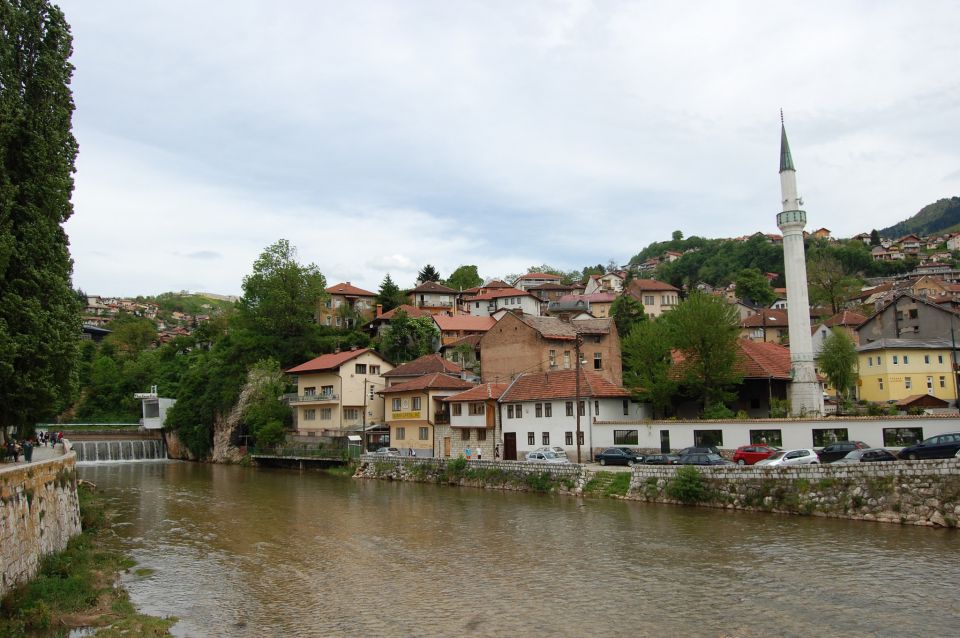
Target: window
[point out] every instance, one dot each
(895, 359)
(329, 320)
(566, 359)
(338, 322)
(626, 437)
(766, 437)
(706, 438)
(481, 435)
(395, 405)
(424, 434)
(360, 368)
(326, 390)
(906, 359)
(538, 410)
(476, 408)
(374, 369)
(531, 438)
(548, 410)
(926, 358)
(545, 437)
(598, 361)
(901, 437)
(465, 434)
(509, 410)
(869, 362)
(939, 358)
(568, 438)
(580, 437)
(401, 434)
(569, 408)
(881, 383)
(879, 360)
(907, 383)
(553, 358)
(596, 408)
(326, 414)
(518, 411)
(416, 403)
(371, 392)
(457, 409)
(310, 392)
(648, 300)
(309, 415)
(822, 438)
(913, 313)
(626, 407)
(943, 382)
(351, 414)
(582, 410)
(929, 385)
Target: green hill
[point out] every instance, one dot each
(933, 219)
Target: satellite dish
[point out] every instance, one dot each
(800, 201)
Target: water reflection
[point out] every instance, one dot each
(247, 552)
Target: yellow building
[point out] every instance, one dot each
(414, 407)
(894, 369)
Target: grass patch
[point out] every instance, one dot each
(540, 482)
(345, 471)
(75, 587)
(687, 486)
(143, 572)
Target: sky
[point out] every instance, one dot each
(382, 136)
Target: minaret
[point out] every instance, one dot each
(806, 395)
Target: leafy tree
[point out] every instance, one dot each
(753, 284)
(390, 296)
(838, 362)
(464, 277)
(131, 335)
(828, 282)
(281, 295)
(874, 237)
(265, 415)
(349, 316)
(626, 312)
(406, 339)
(429, 273)
(646, 364)
(705, 330)
(677, 236)
(39, 311)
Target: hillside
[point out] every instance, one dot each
(933, 219)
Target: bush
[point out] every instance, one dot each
(687, 486)
(540, 482)
(456, 468)
(718, 411)
(779, 408)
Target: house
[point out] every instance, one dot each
(821, 233)
(519, 344)
(470, 420)
(512, 299)
(538, 408)
(846, 320)
(575, 307)
(427, 364)
(465, 353)
(346, 304)
(862, 237)
(909, 244)
(414, 407)
(907, 316)
(493, 284)
(896, 369)
(953, 242)
(768, 326)
(598, 304)
(657, 297)
(335, 395)
(381, 320)
(671, 256)
(611, 282)
(533, 279)
(457, 327)
(552, 291)
(434, 297)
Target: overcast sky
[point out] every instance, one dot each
(381, 136)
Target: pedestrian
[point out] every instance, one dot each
(411, 452)
(496, 451)
(467, 452)
(479, 453)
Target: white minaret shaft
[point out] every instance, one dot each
(806, 396)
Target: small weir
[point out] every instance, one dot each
(116, 451)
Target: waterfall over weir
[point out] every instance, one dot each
(117, 451)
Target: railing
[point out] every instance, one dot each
(306, 398)
(441, 418)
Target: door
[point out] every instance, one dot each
(665, 441)
(509, 446)
(446, 446)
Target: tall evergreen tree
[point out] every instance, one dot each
(429, 273)
(874, 237)
(39, 312)
(390, 296)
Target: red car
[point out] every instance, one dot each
(750, 454)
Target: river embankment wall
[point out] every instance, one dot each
(39, 514)
(905, 492)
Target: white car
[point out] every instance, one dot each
(556, 449)
(801, 456)
(545, 457)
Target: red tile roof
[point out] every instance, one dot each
(561, 384)
(482, 392)
(327, 361)
(432, 286)
(539, 275)
(427, 364)
(435, 381)
(411, 311)
(758, 360)
(640, 285)
(464, 322)
(349, 290)
(766, 318)
(845, 318)
(498, 293)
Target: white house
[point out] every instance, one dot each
(492, 301)
(610, 282)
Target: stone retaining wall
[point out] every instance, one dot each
(39, 514)
(510, 475)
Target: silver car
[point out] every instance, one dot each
(801, 456)
(548, 456)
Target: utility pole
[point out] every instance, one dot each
(576, 404)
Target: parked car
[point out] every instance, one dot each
(630, 450)
(556, 449)
(388, 451)
(750, 454)
(546, 457)
(941, 446)
(660, 459)
(869, 455)
(703, 459)
(616, 456)
(802, 456)
(840, 449)
(699, 449)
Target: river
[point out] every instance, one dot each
(255, 552)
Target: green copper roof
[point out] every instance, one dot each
(786, 160)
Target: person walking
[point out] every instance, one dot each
(467, 452)
(479, 453)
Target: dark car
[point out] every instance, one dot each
(750, 454)
(631, 451)
(870, 455)
(699, 449)
(616, 456)
(703, 459)
(660, 459)
(840, 449)
(941, 446)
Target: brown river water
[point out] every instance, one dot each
(253, 552)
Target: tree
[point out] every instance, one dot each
(39, 311)
(406, 339)
(838, 362)
(677, 236)
(626, 312)
(464, 277)
(705, 330)
(265, 415)
(874, 237)
(390, 296)
(828, 282)
(131, 335)
(753, 284)
(429, 273)
(280, 298)
(646, 364)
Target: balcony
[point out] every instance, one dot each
(441, 418)
(323, 397)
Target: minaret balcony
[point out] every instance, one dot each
(792, 217)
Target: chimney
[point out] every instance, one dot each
(379, 309)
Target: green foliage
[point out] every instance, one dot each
(875, 237)
(626, 312)
(753, 284)
(828, 281)
(428, 273)
(540, 481)
(456, 469)
(687, 486)
(406, 339)
(265, 415)
(838, 361)
(390, 296)
(131, 335)
(464, 277)
(718, 411)
(942, 215)
(39, 310)
(779, 408)
(646, 364)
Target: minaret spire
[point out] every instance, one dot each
(786, 160)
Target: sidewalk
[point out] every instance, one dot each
(40, 453)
